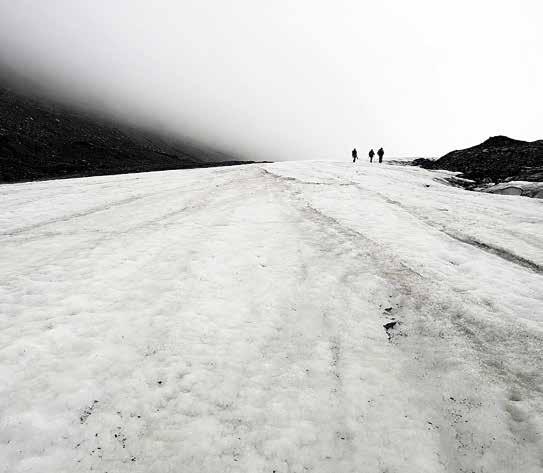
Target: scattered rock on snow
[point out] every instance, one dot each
(389, 326)
(87, 412)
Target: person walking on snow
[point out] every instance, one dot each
(380, 153)
(371, 154)
(355, 155)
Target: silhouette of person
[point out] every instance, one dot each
(380, 153)
(371, 154)
(355, 155)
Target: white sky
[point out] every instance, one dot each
(295, 79)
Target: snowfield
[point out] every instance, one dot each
(290, 318)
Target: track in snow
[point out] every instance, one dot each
(233, 319)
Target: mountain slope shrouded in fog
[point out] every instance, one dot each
(41, 138)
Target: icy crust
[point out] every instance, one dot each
(290, 317)
(525, 188)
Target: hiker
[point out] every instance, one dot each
(355, 155)
(371, 154)
(380, 153)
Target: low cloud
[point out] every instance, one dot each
(291, 80)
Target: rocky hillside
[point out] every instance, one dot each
(42, 139)
(495, 160)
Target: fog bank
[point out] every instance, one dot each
(293, 80)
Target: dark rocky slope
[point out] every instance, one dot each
(42, 139)
(495, 160)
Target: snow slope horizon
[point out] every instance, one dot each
(232, 319)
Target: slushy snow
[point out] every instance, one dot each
(288, 317)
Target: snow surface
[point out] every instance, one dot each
(232, 320)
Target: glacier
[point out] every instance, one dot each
(284, 317)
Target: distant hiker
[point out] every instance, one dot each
(380, 153)
(371, 154)
(355, 155)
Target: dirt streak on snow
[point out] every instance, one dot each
(233, 319)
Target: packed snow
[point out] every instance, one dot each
(288, 317)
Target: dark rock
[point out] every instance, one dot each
(495, 160)
(500, 141)
(423, 163)
(390, 325)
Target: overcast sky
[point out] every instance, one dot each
(296, 79)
